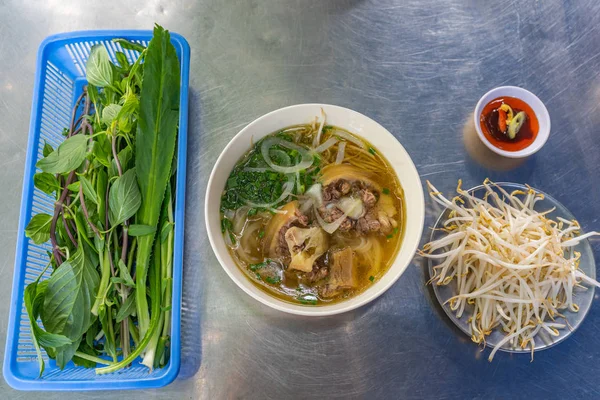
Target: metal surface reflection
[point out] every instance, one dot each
(418, 68)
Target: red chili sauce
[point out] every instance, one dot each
(488, 121)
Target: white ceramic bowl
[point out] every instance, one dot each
(355, 123)
(536, 105)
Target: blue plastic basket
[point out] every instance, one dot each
(59, 79)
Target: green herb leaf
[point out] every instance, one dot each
(371, 278)
(98, 70)
(140, 230)
(110, 113)
(385, 191)
(124, 197)
(101, 150)
(166, 229)
(68, 157)
(122, 60)
(125, 274)
(127, 45)
(47, 149)
(372, 151)
(74, 187)
(40, 337)
(69, 297)
(155, 148)
(46, 182)
(38, 228)
(67, 303)
(273, 280)
(127, 308)
(88, 190)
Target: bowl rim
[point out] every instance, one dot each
(536, 104)
(368, 295)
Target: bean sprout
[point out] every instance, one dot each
(516, 267)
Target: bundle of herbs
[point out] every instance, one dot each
(108, 298)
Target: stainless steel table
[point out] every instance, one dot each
(418, 67)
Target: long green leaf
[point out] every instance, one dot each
(155, 147)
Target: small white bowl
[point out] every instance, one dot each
(536, 105)
(356, 123)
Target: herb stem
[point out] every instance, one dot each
(68, 229)
(86, 213)
(58, 255)
(75, 108)
(89, 357)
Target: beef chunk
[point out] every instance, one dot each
(342, 273)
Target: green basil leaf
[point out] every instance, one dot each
(98, 70)
(29, 296)
(125, 274)
(122, 60)
(101, 150)
(65, 353)
(69, 298)
(127, 45)
(47, 149)
(67, 157)
(90, 335)
(124, 198)
(110, 113)
(140, 230)
(88, 190)
(34, 298)
(74, 187)
(127, 308)
(128, 113)
(46, 182)
(38, 228)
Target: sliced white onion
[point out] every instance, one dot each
(306, 205)
(330, 227)
(349, 138)
(315, 193)
(328, 143)
(352, 206)
(307, 158)
(317, 138)
(341, 153)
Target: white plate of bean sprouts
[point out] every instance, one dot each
(510, 266)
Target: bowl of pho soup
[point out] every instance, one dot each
(314, 209)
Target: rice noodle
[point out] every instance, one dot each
(350, 138)
(513, 267)
(328, 143)
(317, 139)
